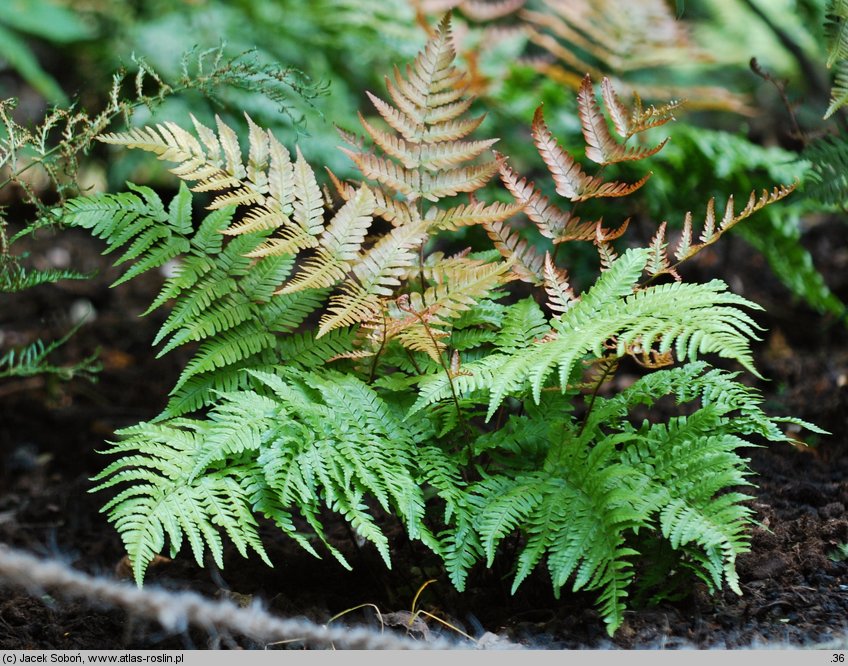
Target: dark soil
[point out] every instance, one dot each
(795, 588)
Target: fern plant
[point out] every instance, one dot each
(43, 163)
(341, 365)
(836, 30)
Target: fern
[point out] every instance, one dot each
(827, 179)
(608, 488)
(43, 162)
(706, 319)
(33, 359)
(341, 368)
(836, 31)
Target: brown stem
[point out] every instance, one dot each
(445, 367)
(607, 371)
(811, 73)
(378, 352)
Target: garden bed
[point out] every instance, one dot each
(794, 583)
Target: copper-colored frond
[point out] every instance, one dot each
(570, 179)
(560, 294)
(658, 257)
(435, 186)
(550, 220)
(451, 153)
(406, 154)
(618, 112)
(433, 64)
(388, 173)
(397, 120)
(712, 232)
(601, 147)
(468, 215)
(685, 242)
(526, 263)
(451, 130)
(343, 188)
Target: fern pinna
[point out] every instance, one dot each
(341, 366)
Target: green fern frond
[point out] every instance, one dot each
(827, 179)
(839, 90)
(303, 436)
(523, 324)
(576, 512)
(608, 486)
(707, 319)
(224, 299)
(14, 277)
(34, 359)
(836, 31)
(139, 220)
(166, 498)
(282, 195)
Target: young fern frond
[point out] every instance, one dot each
(628, 122)
(713, 229)
(418, 321)
(560, 294)
(425, 158)
(601, 147)
(552, 223)
(571, 181)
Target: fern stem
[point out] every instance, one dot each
(446, 368)
(608, 370)
(379, 351)
(413, 361)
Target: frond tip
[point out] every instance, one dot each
(601, 147)
(572, 182)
